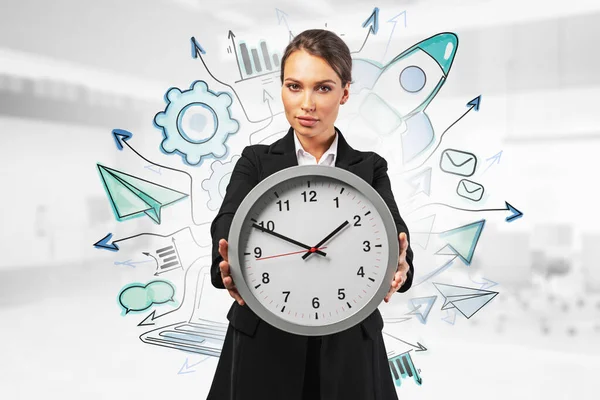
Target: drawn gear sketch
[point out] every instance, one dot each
(175, 137)
(216, 184)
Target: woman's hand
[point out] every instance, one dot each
(227, 279)
(403, 267)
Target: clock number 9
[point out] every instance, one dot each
(257, 252)
(367, 245)
(315, 302)
(265, 278)
(312, 193)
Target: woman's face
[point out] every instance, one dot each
(311, 88)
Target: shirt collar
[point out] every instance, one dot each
(331, 150)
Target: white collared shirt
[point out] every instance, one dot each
(305, 158)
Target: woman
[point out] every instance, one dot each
(259, 361)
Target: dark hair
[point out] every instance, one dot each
(325, 44)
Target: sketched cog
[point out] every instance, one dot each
(216, 184)
(192, 105)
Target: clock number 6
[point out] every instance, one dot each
(315, 302)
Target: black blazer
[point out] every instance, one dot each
(256, 163)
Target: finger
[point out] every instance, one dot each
(398, 278)
(403, 241)
(224, 267)
(401, 258)
(228, 282)
(223, 246)
(403, 267)
(389, 294)
(237, 297)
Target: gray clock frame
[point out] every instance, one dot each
(236, 255)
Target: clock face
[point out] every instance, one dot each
(313, 253)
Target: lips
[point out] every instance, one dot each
(307, 121)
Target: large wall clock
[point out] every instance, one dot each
(313, 249)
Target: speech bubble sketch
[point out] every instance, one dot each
(137, 297)
(198, 333)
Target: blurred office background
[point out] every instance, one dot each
(70, 71)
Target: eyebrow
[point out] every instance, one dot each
(318, 82)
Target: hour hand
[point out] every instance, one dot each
(332, 234)
(297, 243)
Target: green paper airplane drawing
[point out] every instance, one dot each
(131, 196)
(462, 241)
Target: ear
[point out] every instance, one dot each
(346, 93)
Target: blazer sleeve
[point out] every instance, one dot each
(244, 177)
(381, 183)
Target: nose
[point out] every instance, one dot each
(307, 102)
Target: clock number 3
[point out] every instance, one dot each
(367, 245)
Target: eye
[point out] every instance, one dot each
(289, 85)
(328, 89)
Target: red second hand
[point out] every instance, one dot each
(288, 254)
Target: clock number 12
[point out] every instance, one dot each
(312, 194)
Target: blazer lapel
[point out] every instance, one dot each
(282, 154)
(352, 160)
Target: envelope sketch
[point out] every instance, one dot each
(458, 162)
(469, 190)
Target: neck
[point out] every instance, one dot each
(317, 145)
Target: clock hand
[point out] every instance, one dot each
(310, 249)
(285, 254)
(336, 230)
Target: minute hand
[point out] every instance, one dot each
(297, 243)
(336, 230)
